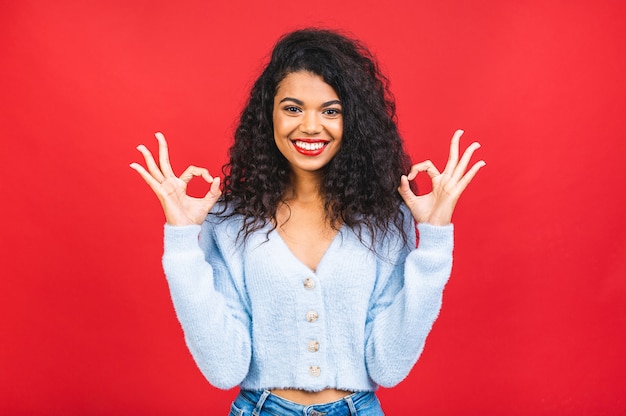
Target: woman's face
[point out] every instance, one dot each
(308, 121)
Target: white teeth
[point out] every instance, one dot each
(309, 146)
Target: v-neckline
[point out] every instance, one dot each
(327, 252)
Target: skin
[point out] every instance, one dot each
(307, 108)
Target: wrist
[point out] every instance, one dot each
(178, 223)
(178, 219)
(436, 220)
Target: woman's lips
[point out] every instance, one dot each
(309, 147)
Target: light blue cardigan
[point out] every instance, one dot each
(253, 315)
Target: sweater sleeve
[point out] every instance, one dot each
(406, 305)
(209, 304)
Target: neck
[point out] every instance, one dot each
(305, 187)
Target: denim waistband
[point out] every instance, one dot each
(268, 403)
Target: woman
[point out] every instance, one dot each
(299, 281)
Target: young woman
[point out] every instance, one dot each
(299, 280)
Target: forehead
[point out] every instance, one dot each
(303, 85)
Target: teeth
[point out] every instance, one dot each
(310, 146)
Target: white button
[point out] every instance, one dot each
(309, 283)
(311, 316)
(314, 370)
(313, 346)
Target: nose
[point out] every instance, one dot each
(310, 123)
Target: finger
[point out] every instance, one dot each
(164, 157)
(425, 166)
(453, 157)
(153, 168)
(467, 178)
(405, 190)
(405, 186)
(215, 192)
(150, 180)
(192, 171)
(460, 169)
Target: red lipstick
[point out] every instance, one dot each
(310, 147)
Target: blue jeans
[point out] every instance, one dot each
(264, 403)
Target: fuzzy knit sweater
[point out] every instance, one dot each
(253, 315)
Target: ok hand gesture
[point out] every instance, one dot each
(179, 208)
(437, 206)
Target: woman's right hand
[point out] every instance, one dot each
(179, 208)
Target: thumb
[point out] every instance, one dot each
(215, 192)
(405, 189)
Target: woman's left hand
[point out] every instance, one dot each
(436, 207)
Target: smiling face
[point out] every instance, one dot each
(308, 121)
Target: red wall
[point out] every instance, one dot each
(533, 319)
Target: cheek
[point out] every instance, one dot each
(281, 126)
(338, 130)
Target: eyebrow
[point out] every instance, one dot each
(300, 102)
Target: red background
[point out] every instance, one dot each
(534, 315)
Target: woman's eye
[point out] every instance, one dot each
(292, 109)
(332, 111)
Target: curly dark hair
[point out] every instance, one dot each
(360, 183)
